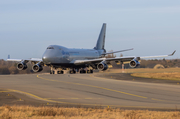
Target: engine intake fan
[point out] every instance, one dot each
(102, 66)
(134, 63)
(37, 68)
(21, 66)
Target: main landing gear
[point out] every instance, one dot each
(60, 72)
(72, 71)
(86, 71)
(52, 72)
(82, 71)
(56, 71)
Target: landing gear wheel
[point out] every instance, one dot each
(72, 72)
(52, 72)
(60, 72)
(88, 71)
(91, 71)
(82, 71)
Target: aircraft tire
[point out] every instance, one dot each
(51, 72)
(82, 71)
(88, 71)
(71, 72)
(60, 72)
(91, 71)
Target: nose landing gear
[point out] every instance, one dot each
(56, 71)
(52, 72)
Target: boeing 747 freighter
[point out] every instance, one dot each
(77, 60)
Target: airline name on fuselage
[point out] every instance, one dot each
(69, 53)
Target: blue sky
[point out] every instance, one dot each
(151, 27)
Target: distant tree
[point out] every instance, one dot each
(4, 70)
(13, 70)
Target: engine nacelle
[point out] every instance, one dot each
(102, 66)
(21, 66)
(37, 68)
(134, 63)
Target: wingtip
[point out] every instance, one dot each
(172, 53)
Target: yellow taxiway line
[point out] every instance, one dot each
(93, 87)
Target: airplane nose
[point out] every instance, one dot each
(46, 59)
(43, 58)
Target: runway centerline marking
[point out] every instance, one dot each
(94, 87)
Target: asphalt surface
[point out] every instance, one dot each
(88, 91)
(128, 77)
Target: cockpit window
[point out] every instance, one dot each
(50, 48)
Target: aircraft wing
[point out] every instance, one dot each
(122, 59)
(158, 56)
(26, 60)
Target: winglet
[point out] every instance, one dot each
(172, 53)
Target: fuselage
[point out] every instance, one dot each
(59, 55)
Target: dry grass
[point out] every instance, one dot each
(144, 70)
(167, 73)
(29, 112)
(167, 76)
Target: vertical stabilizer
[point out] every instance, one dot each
(101, 39)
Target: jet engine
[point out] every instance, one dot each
(134, 63)
(37, 68)
(102, 66)
(21, 66)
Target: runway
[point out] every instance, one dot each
(90, 91)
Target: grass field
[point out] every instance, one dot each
(166, 76)
(167, 73)
(28, 112)
(144, 70)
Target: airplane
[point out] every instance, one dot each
(79, 60)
